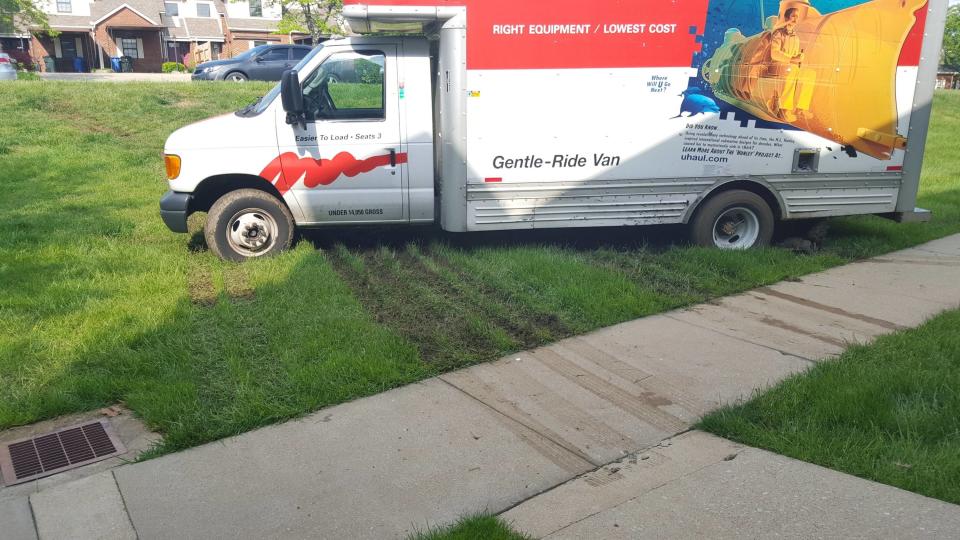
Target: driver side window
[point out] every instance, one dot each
(347, 86)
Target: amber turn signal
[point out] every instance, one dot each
(173, 166)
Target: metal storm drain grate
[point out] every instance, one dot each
(64, 449)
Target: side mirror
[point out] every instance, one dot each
(258, 59)
(291, 95)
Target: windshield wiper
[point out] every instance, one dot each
(249, 108)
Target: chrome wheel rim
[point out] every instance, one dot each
(236, 77)
(736, 228)
(252, 232)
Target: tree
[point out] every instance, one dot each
(20, 15)
(951, 40)
(319, 18)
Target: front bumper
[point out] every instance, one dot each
(175, 209)
(206, 76)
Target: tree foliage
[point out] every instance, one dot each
(319, 18)
(19, 15)
(951, 40)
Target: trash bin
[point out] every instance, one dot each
(115, 64)
(79, 65)
(126, 64)
(49, 65)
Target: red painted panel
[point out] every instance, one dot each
(910, 53)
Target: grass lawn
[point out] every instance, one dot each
(102, 304)
(473, 528)
(889, 411)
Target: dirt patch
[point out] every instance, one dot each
(405, 296)
(237, 284)
(200, 285)
(530, 327)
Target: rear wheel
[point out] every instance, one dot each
(734, 219)
(236, 76)
(247, 224)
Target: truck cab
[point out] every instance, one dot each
(359, 152)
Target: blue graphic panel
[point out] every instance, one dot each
(746, 16)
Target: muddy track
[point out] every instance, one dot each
(415, 304)
(538, 327)
(523, 335)
(643, 272)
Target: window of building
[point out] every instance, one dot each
(257, 43)
(64, 6)
(203, 10)
(172, 9)
(129, 47)
(348, 85)
(256, 8)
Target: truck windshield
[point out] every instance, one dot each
(261, 104)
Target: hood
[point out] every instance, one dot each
(216, 63)
(224, 132)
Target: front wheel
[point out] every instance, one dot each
(236, 76)
(247, 224)
(734, 219)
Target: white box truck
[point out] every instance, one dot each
(730, 117)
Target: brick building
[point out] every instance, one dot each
(150, 32)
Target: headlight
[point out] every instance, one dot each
(201, 71)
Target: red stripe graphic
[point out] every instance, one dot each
(287, 169)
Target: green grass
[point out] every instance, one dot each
(889, 412)
(357, 95)
(473, 528)
(102, 304)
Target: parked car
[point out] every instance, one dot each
(261, 63)
(8, 71)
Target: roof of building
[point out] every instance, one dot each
(201, 29)
(148, 9)
(68, 22)
(255, 24)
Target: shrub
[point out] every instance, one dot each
(368, 72)
(24, 66)
(170, 67)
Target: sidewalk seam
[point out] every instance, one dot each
(33, 515)
(738, 338)
(649, 491)
(124, 501)
(607, 464)
(561, 445)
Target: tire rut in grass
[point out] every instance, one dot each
(531, 328)
(200, 286)
(647, 273)
(204, 290)
(402, 295)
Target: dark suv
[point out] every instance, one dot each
(262, 63)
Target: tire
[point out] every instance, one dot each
(733, 219)
(235, 76)
(251, 211)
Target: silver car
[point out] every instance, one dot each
(8, 72)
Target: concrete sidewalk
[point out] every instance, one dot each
(701, 486)
(493, 436)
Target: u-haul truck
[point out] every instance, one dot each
(493, 114)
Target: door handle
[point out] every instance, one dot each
(393, 157)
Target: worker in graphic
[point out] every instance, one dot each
(786, 64)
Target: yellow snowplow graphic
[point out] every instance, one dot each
(833, 75)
